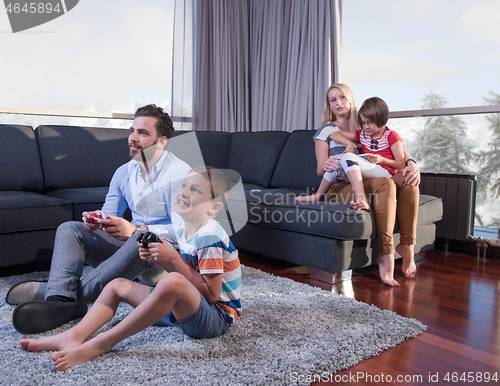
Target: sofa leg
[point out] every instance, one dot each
(330, 278)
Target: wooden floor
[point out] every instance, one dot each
(455, 296)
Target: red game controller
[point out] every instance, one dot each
(95, 219)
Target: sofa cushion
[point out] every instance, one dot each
(77, 157)
(83, 199)
(250, 187)
(214, 147)
(28, 211)
(25, 248)
(20, 160)
(296, 166)
(430, 209)
(278, 209)
(254, 155)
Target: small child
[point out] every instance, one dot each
(200, 294)
(382, 155)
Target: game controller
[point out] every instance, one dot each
(146, 238)
(93, 219)
(150, 237)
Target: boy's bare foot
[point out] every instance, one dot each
(67, 359)
(386, 269)
(360, 204)
(62, 341)
(312, 197)
(408, 265)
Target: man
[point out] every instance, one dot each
(147, 185)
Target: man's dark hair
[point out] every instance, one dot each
(164, 126)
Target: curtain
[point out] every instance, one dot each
(221, 89)
(181, 65)
(264, 64)
(293, 44)
(336, 42)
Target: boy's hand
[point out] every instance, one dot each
(144, 254)
(118, 227)
(161, 252)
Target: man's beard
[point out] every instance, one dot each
(148, 152)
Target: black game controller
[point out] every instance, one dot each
(146, 238)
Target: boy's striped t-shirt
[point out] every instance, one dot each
(210, 251)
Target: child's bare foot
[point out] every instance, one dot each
(386, 269)
(360, 204)
(408, 265)
(62, 341)
(312, 197)
(67, 359)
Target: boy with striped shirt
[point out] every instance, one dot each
(200, 294)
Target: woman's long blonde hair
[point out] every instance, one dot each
(329, 115)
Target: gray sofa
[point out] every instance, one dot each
(53, 173)
(50, 175)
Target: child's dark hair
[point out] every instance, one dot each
(219, 182)
(374, 109)
(164, 126)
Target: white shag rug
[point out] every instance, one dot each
(288, 331)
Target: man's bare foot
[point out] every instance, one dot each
(67, 359)
(360, 204)
(62, 341)
(408, 265)
(386, 269)
(312, 197)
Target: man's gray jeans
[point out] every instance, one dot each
(74, 246)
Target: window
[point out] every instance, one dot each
(426, 54)
(101, 57)
(402, 50)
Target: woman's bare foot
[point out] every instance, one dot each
(312, 197)
(386, 269)
(360, 204)
(67, 359)
(63, 341)
(408, 265)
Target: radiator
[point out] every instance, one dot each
(458, 193)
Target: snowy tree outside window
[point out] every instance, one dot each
(443, 146)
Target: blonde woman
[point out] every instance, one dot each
(341, 114)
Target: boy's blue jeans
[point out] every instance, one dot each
(74, 246)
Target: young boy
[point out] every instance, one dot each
(200, 294)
